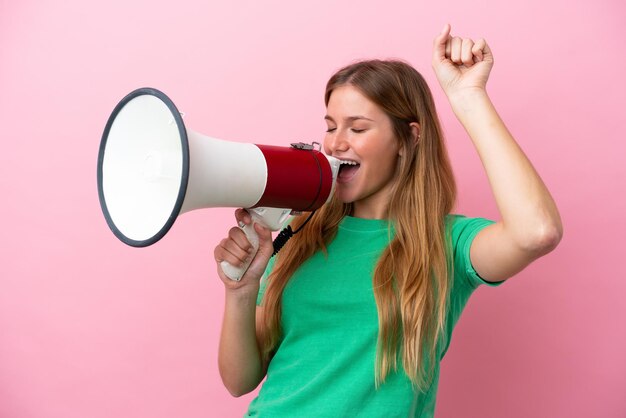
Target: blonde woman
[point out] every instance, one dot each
(354, 315)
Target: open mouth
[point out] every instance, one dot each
(347, 170)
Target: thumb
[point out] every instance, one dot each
(266, 245)
(439, 44)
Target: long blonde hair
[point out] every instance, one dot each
(410, 280)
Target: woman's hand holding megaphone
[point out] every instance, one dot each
(237, 251)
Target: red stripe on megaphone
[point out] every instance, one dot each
(296, 179)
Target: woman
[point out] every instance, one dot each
(356, 312)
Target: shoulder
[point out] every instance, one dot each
(461, 232)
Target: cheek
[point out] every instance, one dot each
(386, 162)
(326, 145)
(387, 168)
(384, 151)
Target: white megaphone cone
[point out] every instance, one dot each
(151, 169)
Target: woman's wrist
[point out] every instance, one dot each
(467, 101)
(463, 96)
(246, 294)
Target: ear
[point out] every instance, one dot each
(415, 135)
(415, 131)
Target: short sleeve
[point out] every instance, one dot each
(463, 232)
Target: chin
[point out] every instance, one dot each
(345, 197)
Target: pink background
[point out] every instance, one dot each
(92, 328)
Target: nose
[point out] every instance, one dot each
(335, 142)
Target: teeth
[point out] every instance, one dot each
(349, 162)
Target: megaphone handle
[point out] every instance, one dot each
(271, 218)
(235, 273)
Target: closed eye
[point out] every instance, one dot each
(331, 129)
(358, 131)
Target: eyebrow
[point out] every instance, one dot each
(349, 118)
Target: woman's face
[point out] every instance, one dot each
(360, 132)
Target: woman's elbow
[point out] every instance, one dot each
(238, 392)
(239, 382)
(545, 239)
(237, 389)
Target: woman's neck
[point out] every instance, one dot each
(369, 211)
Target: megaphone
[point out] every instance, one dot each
(151, 169)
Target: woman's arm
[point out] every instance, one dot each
(240, 361)
(530, 224)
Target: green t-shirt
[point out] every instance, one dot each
(324, 364)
